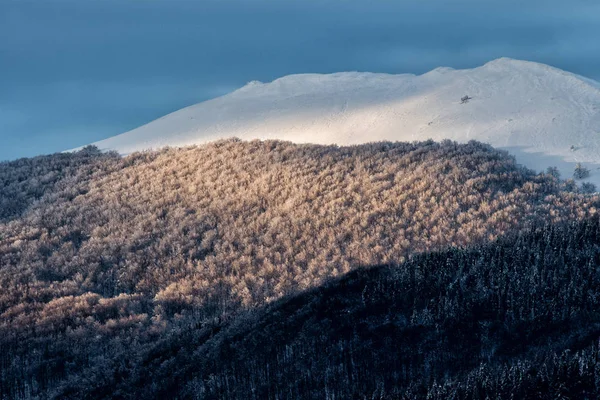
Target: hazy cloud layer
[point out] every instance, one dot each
(72, 72)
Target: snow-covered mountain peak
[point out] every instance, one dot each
(543, 115)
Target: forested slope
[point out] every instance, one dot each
(27, 179)
(119, 256)
(517, 319)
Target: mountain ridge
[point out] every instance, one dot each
(542, 115)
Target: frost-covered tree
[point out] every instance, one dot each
(581, 172)
(588, 188)
(553, 171)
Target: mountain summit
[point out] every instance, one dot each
(542, 115)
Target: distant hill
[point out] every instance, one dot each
(542, 115)
(107, 259)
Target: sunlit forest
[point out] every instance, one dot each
(272, 270)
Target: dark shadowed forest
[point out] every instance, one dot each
(271, 270)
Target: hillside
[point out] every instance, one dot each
(514, 319)
(119, 255)
(542, 115)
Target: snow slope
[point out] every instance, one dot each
(544, 116)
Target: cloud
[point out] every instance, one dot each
(99, 68)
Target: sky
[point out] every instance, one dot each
(76, 71)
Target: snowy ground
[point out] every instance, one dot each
(542, 115)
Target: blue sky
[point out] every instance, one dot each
(76, 71)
